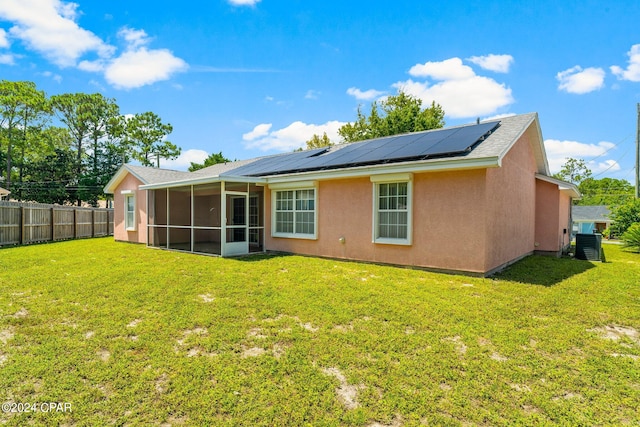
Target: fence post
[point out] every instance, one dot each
(53, 225)
(93, 222)
(75, 224)
(22, 226)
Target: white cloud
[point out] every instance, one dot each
(142, 67)
(604, 166)
(366, 95)
(491, 62)
(291, 137)
(579, 81)
(7, 59)
(559, 151)
(311, 94)
(498, 117)
(184, 160)
(4, 41)
(243, 2)
(134, 38)
(55, 77)
(449, 69)
(472, 97)
(458, 89)
(632, 73)
(49, 27)
(257, 132)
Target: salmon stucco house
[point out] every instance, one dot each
(470, 198)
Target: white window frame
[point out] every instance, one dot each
(392, 179)
(129, 194)
(295, 187)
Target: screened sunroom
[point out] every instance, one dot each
(222, 218)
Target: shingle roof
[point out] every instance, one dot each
(155, 175)
(590, 214)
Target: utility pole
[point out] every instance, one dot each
(638, 156)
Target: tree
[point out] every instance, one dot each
(319, 141)
(574, 171)
(624, 216)
(213, 159)
(401, 113)
(21, 104)
(51, 179)
(606, 191)
(147, 134)
(79, 112)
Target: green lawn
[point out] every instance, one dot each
(134, 336)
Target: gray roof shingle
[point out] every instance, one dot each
(590, 213)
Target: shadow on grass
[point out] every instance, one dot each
(260, 256)
(544, 270)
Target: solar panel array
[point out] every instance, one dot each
(412, 146)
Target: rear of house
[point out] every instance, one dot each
(470, 198)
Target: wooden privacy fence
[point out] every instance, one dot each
(23, 223)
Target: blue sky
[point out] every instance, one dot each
(255, 77)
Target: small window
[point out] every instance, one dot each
(129, 212)
(392, 213)
(295, 213)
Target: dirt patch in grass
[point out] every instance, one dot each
(21, 314)
(253, 352)
(460, 346)
(3, 358)
(498, 357)
(134, 323)
(307, 326)
(175, 421)
(630, 356)
(256, 333)
(162, 383)
(521, 387)
(347, 393)
(278, 350)
(616, 332)
(397, 422)
(206, 298)
(104, 355)
(6, 335)
(89, 334)
(194, 331)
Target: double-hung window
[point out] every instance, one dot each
(294, 213)
(392, 209)
(129, 212)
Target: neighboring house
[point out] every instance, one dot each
(590, 219)
(471, 198)
(4, 194)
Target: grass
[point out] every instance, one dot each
(134, 336)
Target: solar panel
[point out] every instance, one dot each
(460, 141)
(413, 145)
(418, 145)
(273, 164)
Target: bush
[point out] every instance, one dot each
(631, 237)
(625, 215)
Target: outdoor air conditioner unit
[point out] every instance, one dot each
(589, 246)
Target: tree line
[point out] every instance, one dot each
(64, 148)
(617, 194)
